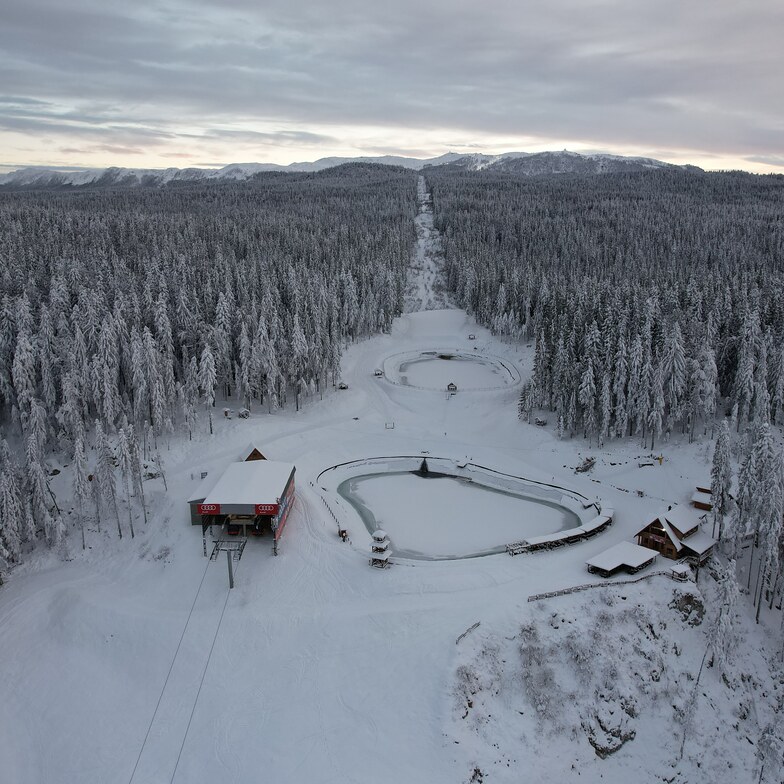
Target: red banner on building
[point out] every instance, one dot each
(266, 509)
(209, 509)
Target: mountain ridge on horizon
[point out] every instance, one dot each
(523, 163)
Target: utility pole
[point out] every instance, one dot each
(231, 570)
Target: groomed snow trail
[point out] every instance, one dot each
(425, 290)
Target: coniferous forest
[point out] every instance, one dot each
(124, 312)
(654, 299)
(654, 302)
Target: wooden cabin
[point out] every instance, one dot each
(702, 498)
(676, 533)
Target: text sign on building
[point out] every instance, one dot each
(209, 509)
(266, 509)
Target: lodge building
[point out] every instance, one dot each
(676, 533)
(253, 496)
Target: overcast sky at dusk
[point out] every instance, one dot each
(152, 84)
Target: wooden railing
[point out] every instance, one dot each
(586, 586)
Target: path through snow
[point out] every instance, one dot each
(425, 289)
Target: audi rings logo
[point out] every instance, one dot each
(209, 509)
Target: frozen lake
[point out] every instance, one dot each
(449, 517)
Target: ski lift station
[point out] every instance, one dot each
(250, 497)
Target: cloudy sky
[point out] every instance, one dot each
(153, 83)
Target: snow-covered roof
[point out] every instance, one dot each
(622, 554)
(385, 556)
(203, 488)
(701, 497)
(684, 518)
(248, 451)
(671, 535)
(256, 482)
(379, 535)
(597, 522)
(699, 543)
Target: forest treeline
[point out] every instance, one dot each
(124, 311)
(655, 302)
(652, 298)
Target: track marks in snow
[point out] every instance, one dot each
(425, 290)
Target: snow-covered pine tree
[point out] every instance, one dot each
(621, 414)
(771, 522)
(298, 358)
(721, 480)
(136, 467)
(23, 373)
(673, 369)
(587, 398)
(207, 380)
(722, 632)
(126, 469)
(606, 404)
(656, 410)
(81, 488)
(11, 515)
(104, 474)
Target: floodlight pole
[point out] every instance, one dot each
(231, 570)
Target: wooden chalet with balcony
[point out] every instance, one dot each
(676, 533)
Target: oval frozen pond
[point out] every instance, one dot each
(444, 517)
(436, 369)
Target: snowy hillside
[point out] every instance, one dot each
(551, 163)
(516, 162)
(611, 674)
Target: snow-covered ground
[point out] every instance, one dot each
(424, 291)
(133, 662)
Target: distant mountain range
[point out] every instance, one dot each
(522, 163)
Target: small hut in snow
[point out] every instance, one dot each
(379, 550)
(702, 497)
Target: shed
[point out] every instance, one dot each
(624, 555)
(451, 387)
(702, 499)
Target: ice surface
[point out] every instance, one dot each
(446, 517)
